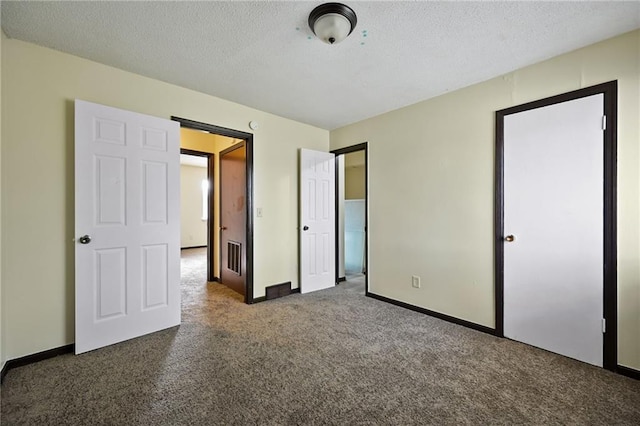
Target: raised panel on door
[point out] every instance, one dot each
(155, 278)
(109, 131)
(154, 192)
(154, 139)
(110, 285)
(110, 180)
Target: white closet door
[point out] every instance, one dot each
(553, 207)
(317, 220)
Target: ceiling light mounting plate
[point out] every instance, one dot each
(332, 22)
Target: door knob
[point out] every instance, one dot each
(85, 239)
(510, 238)
(223, 228)
(305, 228)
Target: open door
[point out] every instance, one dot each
(127, 175)
(233, 217)
(317, 220)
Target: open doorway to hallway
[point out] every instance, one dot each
(353, 255)
(194, 200)
(196, 212)
(223, 218)
(351, 194)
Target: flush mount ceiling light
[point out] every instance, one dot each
(332, 22)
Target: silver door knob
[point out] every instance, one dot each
(510, 238)
(85, 239)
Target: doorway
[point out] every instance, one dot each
(352, 214)
(197, 176)
(555, 245)
(246, 139)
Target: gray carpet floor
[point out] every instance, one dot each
(331, 357)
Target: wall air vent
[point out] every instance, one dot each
(234, 257)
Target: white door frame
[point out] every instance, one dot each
(609, 90)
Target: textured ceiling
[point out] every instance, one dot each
(262, 54)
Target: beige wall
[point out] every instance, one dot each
(205, 142)
(355, 180)
(354, 187)
(38, 89)
(354, 159)
(193, 230)
(433, 217)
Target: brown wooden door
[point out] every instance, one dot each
(233, 193)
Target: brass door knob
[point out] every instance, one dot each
(510, 238)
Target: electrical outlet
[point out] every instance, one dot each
(415, 281)
(259, 211)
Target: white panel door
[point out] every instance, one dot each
(127, 202)
(553, 208)
(317, 220)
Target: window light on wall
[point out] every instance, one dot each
(205, 198)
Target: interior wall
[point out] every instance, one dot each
(355, 183)
(433, 217)
(39, 86)
(193, 230)
(354, 236)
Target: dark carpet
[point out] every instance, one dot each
(331, 357)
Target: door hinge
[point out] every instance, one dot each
(604, 325)
(604, 122)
